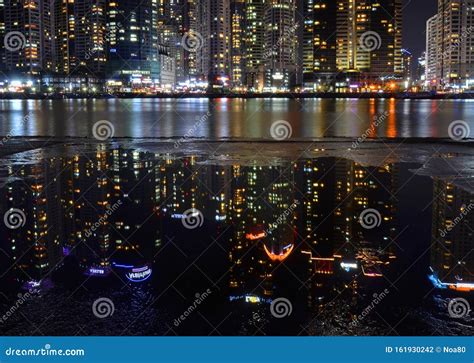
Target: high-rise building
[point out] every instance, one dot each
(64, 34)
(187, 66)
(319, 43)
(280, 44)
(238, 25)
(432, 50)
(213, 57)
(353, 20)
(254, 43)
(455, 51)
(79, 44)
(420, 72)
(369, 37)
(133, 43)
(28, 27)
(386, 21)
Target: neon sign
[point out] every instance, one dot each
(139, 274)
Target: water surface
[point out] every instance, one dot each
(235, 118)
(191, 245)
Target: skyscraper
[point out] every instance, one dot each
(254, 43)
(319, 43)
(28, 27)
(386, 21)
(432, 28)
(133, 42)
(455, 53)
(79, 39)
(369, 37)
(213, 57)
(280, 56)
(238, 26)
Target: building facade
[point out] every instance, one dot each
(319, 43)
(431, 51)
(213, 57)
(280, 45)
(455, 52)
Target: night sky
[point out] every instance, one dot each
(415, 14)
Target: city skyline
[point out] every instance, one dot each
(237, 45)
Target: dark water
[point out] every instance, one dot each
(234, 118)
(219, 244)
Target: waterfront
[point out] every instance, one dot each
(234, 118)
(267, 222)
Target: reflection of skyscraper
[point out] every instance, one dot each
(316, 179)
(452, 258)
(34, 248)
(134, 182)
(358, 189)
(262, 215)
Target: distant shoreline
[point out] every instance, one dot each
(402, 95)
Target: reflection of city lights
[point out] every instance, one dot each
(139, 274)
(135, 274)
(253, 236)
(286, 251)
(252, 299)
(458, 286)
(371, 273)
(348, 266)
